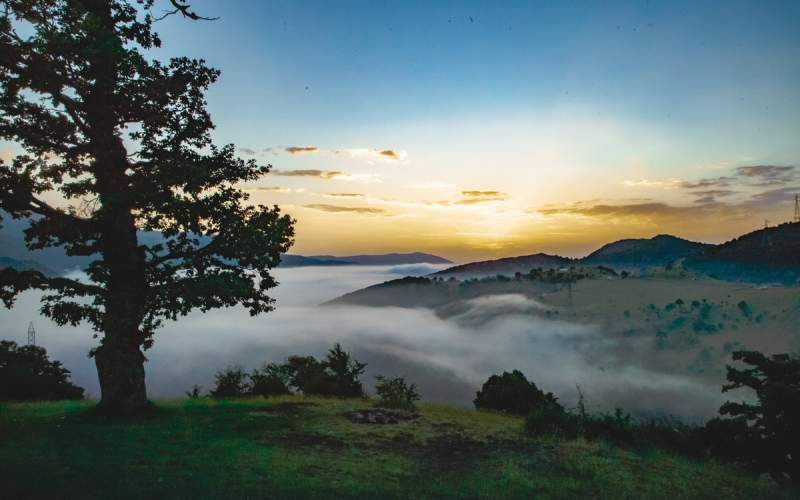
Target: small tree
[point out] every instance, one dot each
(270, 380)
(394, 392)
(230, 382)
(764, 435)
(126, 141)
(26, 373)
(337, 375)
(511, 393)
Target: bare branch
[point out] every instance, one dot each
(183, 8)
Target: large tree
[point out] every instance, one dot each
(125, 143)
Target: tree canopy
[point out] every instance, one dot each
(124, 141)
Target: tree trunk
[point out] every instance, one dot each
(120, 369)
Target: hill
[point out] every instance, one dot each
(388, 259)
(295, 447)
(660, 250)
(506, 266)
(764, 256)
(290, 260)
(24, 265)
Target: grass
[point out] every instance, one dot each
(295, 447)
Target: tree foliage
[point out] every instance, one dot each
(126, 142)
(511, 393)
(765, 434)
(27, 374)
(395, 392)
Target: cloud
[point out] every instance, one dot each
(768, 175)
(329, 175)
(642, 211)
(343, 195)
(715, 182)
(339, 209)
(482, 194)
(711, 195)
(301, 149)
(664, 184)
(274, 189)
(247, 151)
(380, 154)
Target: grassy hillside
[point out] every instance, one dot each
(303, 447)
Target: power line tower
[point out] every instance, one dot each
(31, 334)
(796, 208)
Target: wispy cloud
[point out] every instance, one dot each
(432, 186)
(247, 151)
(482, 194)
(379, 154)
(329, 175)
(340, 209)
(663, 184)
(301, 149)
(343, 195)
(768, 175)
(710, 183)
(274, 189)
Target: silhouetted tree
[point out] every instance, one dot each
(270, 380)
(26, 373)
(512, 393)
(337, 375)
(764, 435)
(230, 382)
(126, 141)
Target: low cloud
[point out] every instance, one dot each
(388, 153)
(715, 182)
(482, 194)
(648, 211)
(343, 195)
(247, 151)
(768, 175)
(329, 175)
(274, 189)
(339, 209)
(711, 195)
(301, 149)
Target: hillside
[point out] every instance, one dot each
(506, 266)
(660, 250)
(290, 260)
(24, 265)
(388, 259)
(295, 447)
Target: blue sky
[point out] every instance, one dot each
(579, 121)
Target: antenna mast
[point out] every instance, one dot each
(31, 334)
(796, 208)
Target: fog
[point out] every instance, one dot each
(447, 358)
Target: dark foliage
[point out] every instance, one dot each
(271, 379)
(27, 374)
(337, 375)
(127, 141)
(511, 393)
(231, 382)
(394, 392)
(764, 435)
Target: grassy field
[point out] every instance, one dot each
(295, 447)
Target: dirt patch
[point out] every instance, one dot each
(381, 416)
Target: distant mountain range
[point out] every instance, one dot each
(765, 255)
(388, 259)
(54, 261)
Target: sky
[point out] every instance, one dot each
(485, 129)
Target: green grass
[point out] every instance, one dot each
(295, 447)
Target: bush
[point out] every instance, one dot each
(393, 392)
(27, 374)
(195, 393)
(511, 393)
(271, 380)
(337, 375)
(765, 436)
(231, 382)
(550, 418)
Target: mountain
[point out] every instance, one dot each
(770, 255)
(506, 266)
(660, 250)
(388, 259)
(25, 265)
(289, 260)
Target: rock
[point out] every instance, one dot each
(380, 416)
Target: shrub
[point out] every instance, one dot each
(337, 375)
(551, 418)
(393, 392)
(270, 380)
(195, 392)
(230, 382)
(27, 374)
(765, 435)
(511, 393)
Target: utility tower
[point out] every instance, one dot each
(796, 208)
(31, 334)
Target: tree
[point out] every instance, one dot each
(511, 393)
(125, 141)
(764, 435)
(26, 373)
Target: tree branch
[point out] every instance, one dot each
(183, 8)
